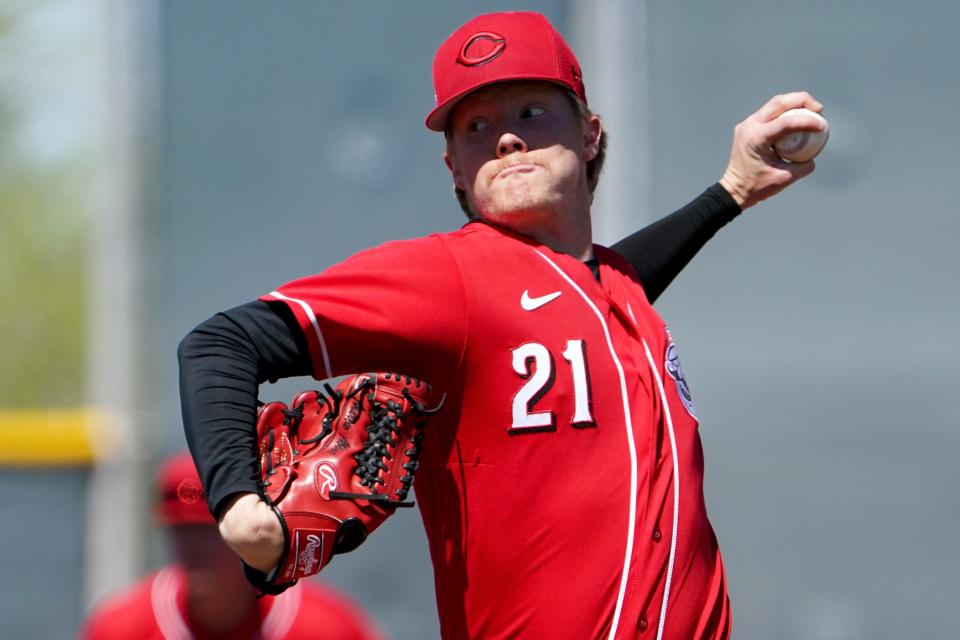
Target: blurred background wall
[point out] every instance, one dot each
(164, 161)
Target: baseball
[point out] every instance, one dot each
(802, 146)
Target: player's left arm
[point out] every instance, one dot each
(222, 363)
(660, 251)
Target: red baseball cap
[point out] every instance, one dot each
(180, 498)
(514, 45)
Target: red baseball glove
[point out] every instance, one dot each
(335, 465)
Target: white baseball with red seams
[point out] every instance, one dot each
(802, 146)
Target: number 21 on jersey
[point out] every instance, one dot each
(534, 363)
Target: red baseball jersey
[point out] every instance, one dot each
(561, 485)
(155, 609)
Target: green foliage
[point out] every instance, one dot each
(44, 215)
(43, 279)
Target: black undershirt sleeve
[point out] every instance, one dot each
(661, 250)
(224, 360)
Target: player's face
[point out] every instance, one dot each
(519, 150)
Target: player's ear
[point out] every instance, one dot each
(592, 130)
(458, 180)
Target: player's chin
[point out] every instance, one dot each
(521, 214)
(526, 202)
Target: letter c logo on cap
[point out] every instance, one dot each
(481, 48)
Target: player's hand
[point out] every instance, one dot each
(251, 528)
(755, 172)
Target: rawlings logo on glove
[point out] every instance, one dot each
(335, 465)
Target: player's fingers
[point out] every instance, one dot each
(795, 170)
(803, 169)
(785, 101)
(771, 131)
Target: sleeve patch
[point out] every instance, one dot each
(675, 369)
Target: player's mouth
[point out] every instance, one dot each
(517, 169)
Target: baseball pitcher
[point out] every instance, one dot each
(539, 406)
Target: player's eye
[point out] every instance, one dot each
(532, 111)
(477, 124)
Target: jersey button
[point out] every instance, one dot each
(642, 626)
(657, 536)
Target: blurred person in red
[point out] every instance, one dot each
(203, 594)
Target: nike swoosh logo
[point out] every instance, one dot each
(529, 304)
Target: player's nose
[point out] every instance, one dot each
(510, 143)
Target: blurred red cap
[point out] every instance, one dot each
(180, 498)
(514, 45)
